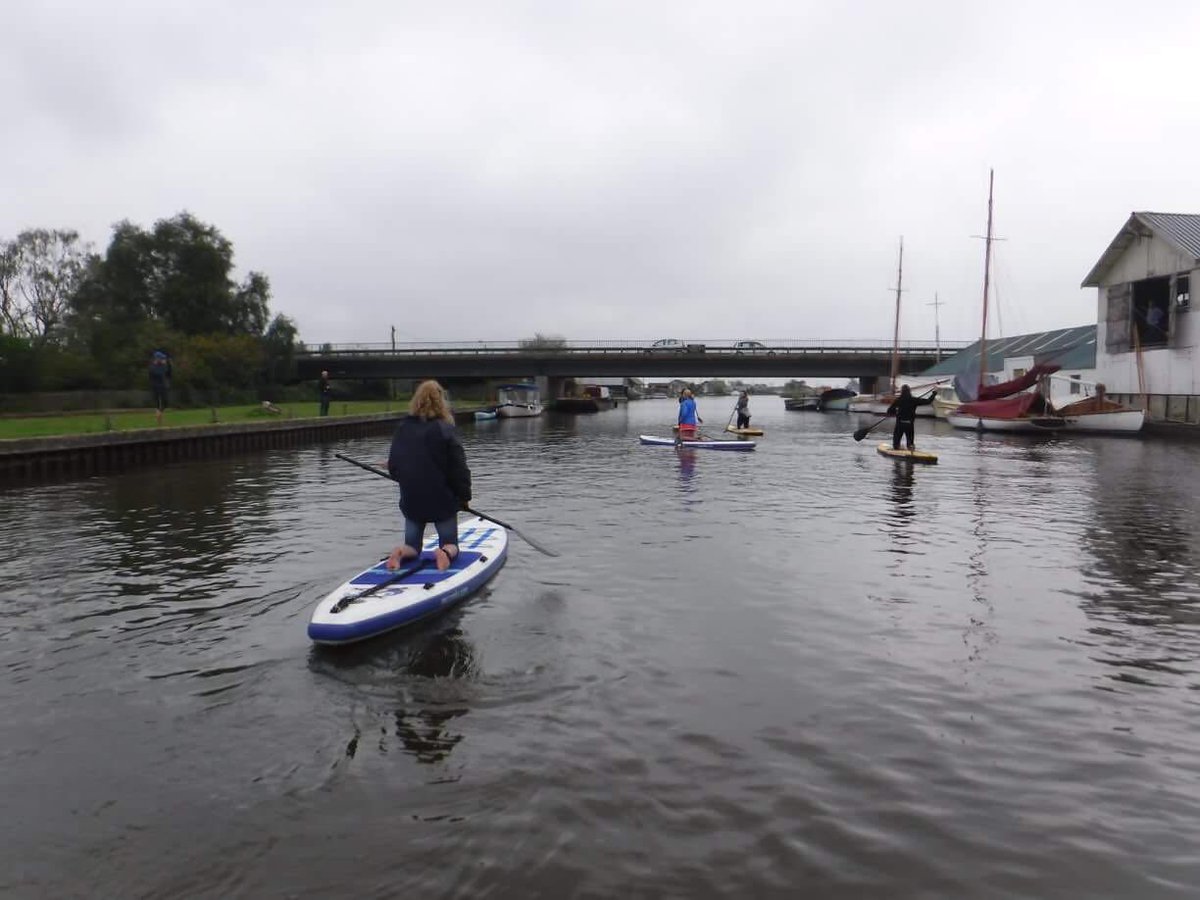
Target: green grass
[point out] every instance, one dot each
(129, 420)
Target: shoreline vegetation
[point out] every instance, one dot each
(18, 427)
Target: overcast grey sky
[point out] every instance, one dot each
(613, 169)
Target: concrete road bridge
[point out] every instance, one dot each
(861, 359)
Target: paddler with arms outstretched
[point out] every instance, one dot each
(904, 408)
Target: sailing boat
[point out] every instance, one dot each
(877, 404)
(1007, 406)
(1011, 406)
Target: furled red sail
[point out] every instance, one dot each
(1020, 406)
(1007, 388)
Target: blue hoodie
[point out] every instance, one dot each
(687, 411)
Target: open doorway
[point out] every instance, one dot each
(1152, 311)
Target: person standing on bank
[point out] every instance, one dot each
(325, 392)
(904, 408)
(743, 410)
(689, 416)
(428, 462)
(160, 382)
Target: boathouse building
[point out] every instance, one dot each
(1147, 335)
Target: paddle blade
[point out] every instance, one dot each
(861, 433)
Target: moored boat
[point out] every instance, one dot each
(796, 404)
(1102, 415)
(518, 401)
(836, 400)
(945, 401)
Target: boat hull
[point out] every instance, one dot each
(1030, 425)
(1126, 421)
(519, 410)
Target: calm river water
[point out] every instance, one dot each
(804, 671)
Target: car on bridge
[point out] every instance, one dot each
(674, 345)
(752, 347)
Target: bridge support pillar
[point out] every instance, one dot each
(549, 387)
(869, 384)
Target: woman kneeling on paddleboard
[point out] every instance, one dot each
(689, 418)
(428, 461)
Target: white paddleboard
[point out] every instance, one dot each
(697, 445)
(377, 600)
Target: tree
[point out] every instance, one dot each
(541, 341)
(40, 272)
(280, 345)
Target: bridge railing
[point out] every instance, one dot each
(411, 348)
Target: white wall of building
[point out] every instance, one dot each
(1168, 370)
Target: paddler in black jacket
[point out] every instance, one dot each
(904, 408)
(428, 462)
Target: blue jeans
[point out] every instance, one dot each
(414, 532)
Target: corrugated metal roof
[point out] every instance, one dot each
(1071, 348)
(1180, 230)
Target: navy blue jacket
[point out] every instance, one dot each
(428, 461)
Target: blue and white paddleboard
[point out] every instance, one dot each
(379, 600)
(731, 444)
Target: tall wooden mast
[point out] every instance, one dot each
(987, 273)
(896, 330)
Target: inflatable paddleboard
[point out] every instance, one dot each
(917, 456)
(377, 600)
(697, 445)
(751, 432)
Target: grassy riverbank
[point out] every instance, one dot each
(133, 419)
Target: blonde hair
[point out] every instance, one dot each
(429, 402)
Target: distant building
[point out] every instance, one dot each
(1072, 349)
(1146, 334)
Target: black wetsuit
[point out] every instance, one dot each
(743, 412)
(904, 408)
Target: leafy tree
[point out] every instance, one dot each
(40, 271)
(280, 345)
(541, 341)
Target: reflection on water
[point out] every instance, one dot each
(865, 677)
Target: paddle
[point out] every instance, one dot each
(863, 432)
(401, 572)
(526, 538)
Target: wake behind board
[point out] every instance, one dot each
(917, 456)
(697, 445)
(749, 432)
(413, 592)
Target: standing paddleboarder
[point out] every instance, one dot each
(743, 410)
(904, 408)
(689, 417)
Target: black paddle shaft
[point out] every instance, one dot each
(532, 543)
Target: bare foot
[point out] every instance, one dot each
(443, 556)
(398, 555)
